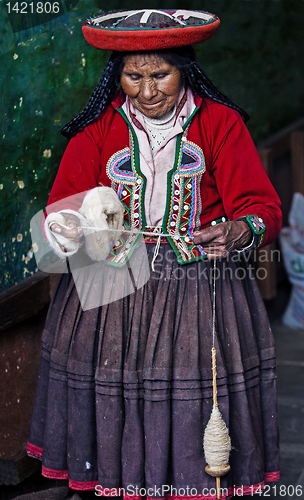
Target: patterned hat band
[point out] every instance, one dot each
(149, 29)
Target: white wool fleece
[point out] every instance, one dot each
(101, 209)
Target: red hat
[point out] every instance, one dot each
(149, 29)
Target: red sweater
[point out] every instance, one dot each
(234, 183)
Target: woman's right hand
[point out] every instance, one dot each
(74, 233)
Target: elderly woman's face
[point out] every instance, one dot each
(152, 84)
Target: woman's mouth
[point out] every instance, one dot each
(150, 104)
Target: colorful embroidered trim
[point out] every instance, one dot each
(180, 106)
(256, 223)
(258, 227)
(131, 196)
(217, 221)
(183, 216)
(184, 206)
(192, 160)
(119, 167)
(136, 122)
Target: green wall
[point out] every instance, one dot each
(49, 72)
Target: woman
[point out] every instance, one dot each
(125, 390)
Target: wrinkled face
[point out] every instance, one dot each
(152, 84)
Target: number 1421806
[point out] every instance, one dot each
(278, 490)
(33, 7)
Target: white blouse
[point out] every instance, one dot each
(157, 152)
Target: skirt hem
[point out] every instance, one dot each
(36, 452)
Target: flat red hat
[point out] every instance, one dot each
(149, 29)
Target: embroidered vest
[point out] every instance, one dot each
(183, 204)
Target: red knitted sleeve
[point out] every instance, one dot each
(241, 180)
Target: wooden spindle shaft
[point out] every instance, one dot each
(218, 481)
(214, 375)
(218, 487)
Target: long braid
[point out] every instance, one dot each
(182, 57)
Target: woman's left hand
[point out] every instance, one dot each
(217, 241)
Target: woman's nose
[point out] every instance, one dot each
(148, 89)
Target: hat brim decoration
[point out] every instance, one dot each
(148, 29)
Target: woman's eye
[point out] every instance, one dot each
(159, 76)
(134, 77)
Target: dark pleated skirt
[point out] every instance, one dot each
(125, 390)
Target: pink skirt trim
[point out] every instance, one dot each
(54, 474)
(237, 490)
(82, 485)
(36, 452)
(272, 476)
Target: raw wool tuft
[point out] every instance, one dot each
(217, 444)
(102, 208)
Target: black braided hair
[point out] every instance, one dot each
(182, 57)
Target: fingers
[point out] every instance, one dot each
(217, 241)
(74, 234)
(215, 252)
(73, 223)
(72, 230)
(214, 234)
